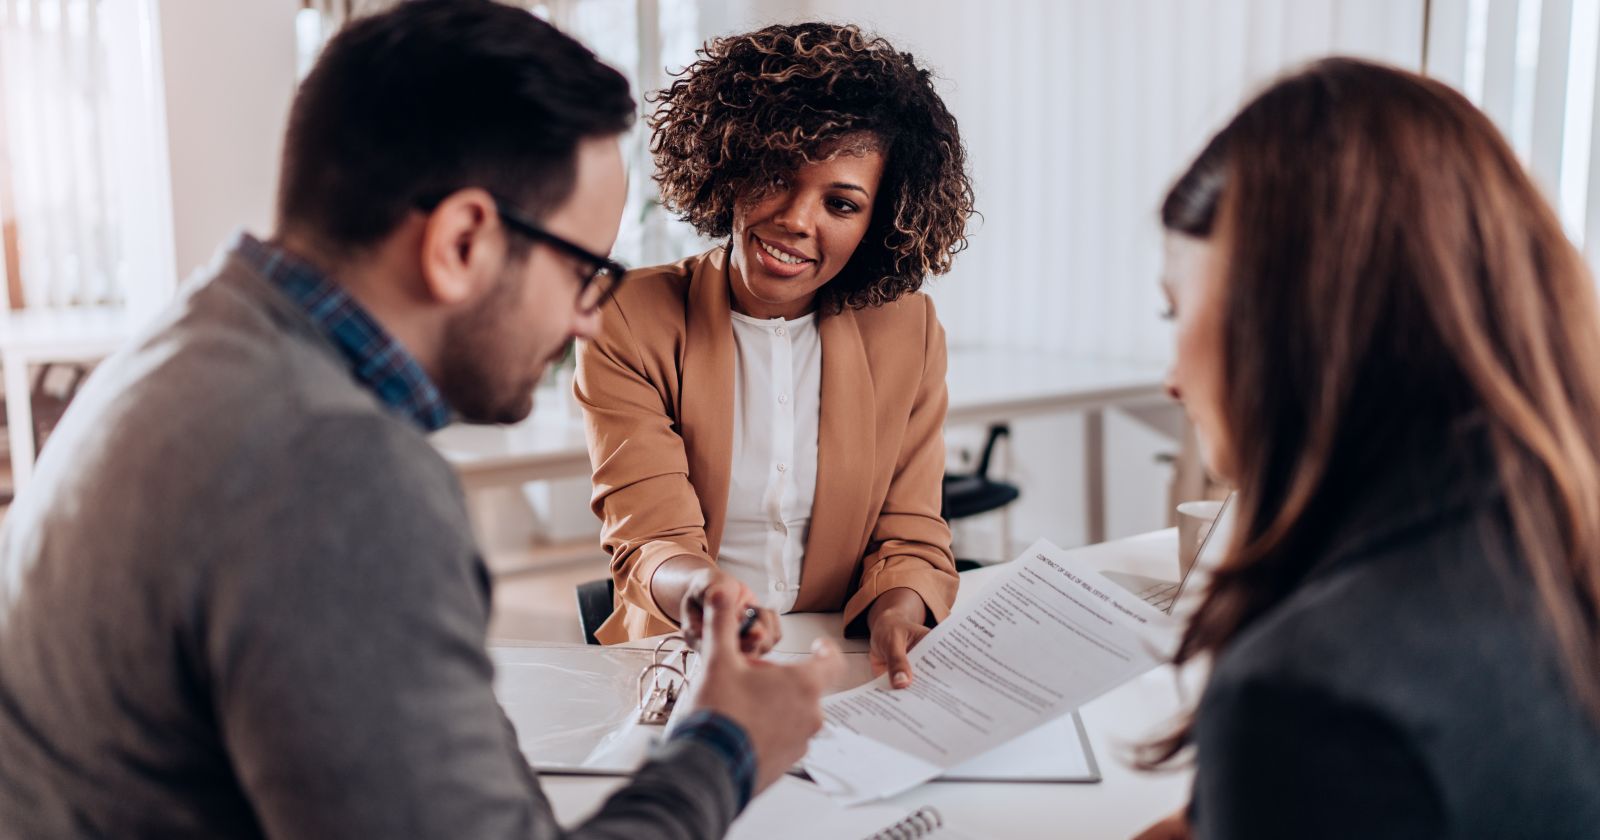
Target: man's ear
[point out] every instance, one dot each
(463, 246)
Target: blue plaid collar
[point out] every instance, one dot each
(375, 358)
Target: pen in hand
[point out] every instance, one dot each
(751, 614)
(749, 633)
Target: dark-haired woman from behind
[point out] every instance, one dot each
(1388, 345)
(766, 418)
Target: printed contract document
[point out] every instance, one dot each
(1048, 636)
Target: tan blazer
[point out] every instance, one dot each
(657, 391)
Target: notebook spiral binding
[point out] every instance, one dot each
(922, 823)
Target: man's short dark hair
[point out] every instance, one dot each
(434, 96)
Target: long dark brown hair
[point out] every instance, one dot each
(1390, 269)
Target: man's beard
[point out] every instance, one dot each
(476, 360)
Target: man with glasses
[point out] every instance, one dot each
(242, 597)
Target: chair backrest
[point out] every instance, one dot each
(964, 495)
(996, 432)
(596, 601)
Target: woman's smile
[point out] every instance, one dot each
(780, 261)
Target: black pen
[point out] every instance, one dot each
(750, 616)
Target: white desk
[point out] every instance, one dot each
(1124, 802)
(36, 336)
(986, 386)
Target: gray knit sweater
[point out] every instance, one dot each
(242, 599)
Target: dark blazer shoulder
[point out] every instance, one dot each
(1425, 646)
(1368, 619)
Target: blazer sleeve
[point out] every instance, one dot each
(910, 544)
(648, 509)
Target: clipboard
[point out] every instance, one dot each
(581, 709)
(575, 709)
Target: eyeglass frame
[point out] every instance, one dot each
(520, 224)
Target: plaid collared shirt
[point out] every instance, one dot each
(375, 358)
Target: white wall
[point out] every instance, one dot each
(229, 73)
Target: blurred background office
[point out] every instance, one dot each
(137, 135)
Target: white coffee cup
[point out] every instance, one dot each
(1194, 522)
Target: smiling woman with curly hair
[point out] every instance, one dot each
(758, 107)
(765, 419)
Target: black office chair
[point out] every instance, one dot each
(596, 599)
(976, 493)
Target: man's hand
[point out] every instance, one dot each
(779, 706)
(896, 621)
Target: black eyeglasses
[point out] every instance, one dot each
(599, 276)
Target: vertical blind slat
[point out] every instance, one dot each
(1550, 95)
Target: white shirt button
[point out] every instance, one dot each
(780, 586)
(782, 467)
(779, 331)
(777, 526)
(783, 399)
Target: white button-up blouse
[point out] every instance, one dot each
(777, 400)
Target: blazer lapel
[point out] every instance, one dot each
(706, 398)
(846, 449)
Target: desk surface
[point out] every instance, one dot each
(1119, 806)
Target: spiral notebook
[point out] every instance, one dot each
(772, 816)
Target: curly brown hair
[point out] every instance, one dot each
(752, 108)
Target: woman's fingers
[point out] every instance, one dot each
(891, 639)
